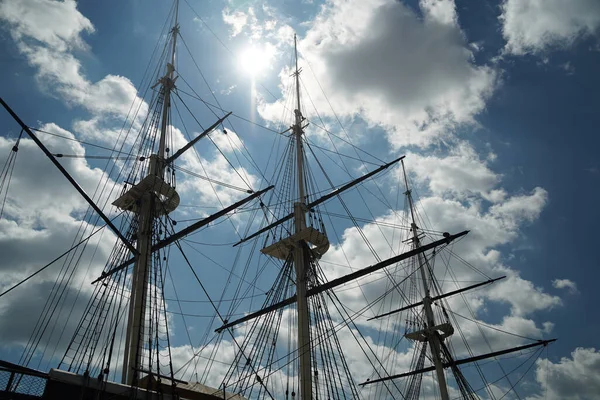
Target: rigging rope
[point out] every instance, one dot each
(7, 171)
(51, 262)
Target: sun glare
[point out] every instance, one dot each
(255, 59)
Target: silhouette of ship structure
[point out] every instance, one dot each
(290, 347)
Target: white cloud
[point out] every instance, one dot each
(237, 20)
(56, 24)
(522, 208)
(536, 26)
(523, 296)
(199, 361)
(216, 167)
(489, 229)
(46, 32)
(574, 378)
(379, 60)
(35, 174)
(495, 339)
(459, 173)
(565, 284)
(43, 215)
(260, 23)
(227, 141)
(443, 11)
(59, 73)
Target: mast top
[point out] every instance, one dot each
(408, 194)
(297, 75)
(168, 84)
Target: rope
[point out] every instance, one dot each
(7, 171)
(50, 263)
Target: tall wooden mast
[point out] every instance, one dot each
(430, 333)
(435, 333)
(301, 256)
(145, 194)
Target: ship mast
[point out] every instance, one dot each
(148, 197)
(429, 334)
(301, 256)
(306, 245)
(148, 212)
(434, 333)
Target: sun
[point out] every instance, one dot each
(255, 59)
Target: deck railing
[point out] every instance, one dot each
(18, 382)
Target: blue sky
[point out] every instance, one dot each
(493, 102)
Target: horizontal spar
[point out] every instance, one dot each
(441, 296)
(71, 180)
(186, 231)
(463, 361)
(346, 278)
(321, 200)
(195, 140)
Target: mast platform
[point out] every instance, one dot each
(424, 335)
(283, 248)
(152, 183)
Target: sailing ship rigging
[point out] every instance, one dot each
(290, 347)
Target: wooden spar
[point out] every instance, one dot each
(69, 177)
(321, 200)
(463, 361)
(192, 142)
(439, 297)
(186, 231)
(346, 278)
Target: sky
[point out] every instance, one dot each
(493, 103)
